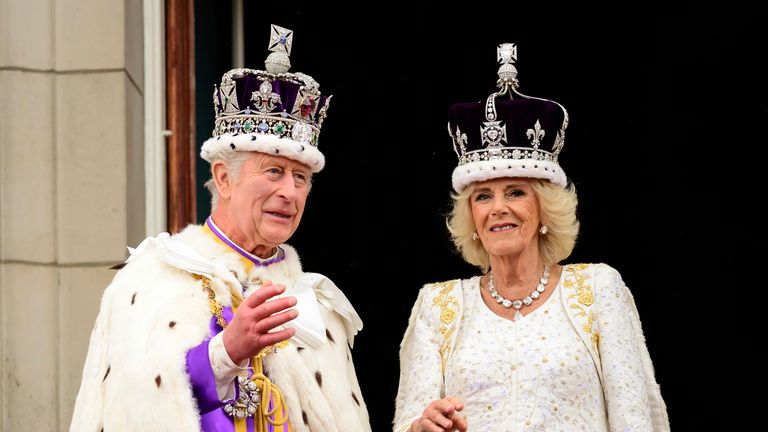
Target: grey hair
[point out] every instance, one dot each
(558, 211)
(233, 161)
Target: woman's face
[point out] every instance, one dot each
(506, 215)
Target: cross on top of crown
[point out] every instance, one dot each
(281, 39)
(506, 53)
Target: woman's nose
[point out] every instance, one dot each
(499, 205)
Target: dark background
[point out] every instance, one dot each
(668, 107)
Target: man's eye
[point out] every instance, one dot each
(300, 178)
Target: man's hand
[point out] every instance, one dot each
(249, 331)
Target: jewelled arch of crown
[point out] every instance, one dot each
(266, 117)
(493, 132)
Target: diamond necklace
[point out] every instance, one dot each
(519, 303)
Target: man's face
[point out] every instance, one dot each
(266, 205)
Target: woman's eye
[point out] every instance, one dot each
(516, 193)
(482, 197)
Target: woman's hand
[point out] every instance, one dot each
(250, 329)
(441, 416)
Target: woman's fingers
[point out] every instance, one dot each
(425, 424)
(439, 414)
(456, 402)
(459, 422)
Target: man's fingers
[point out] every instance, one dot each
(267, 324)
(278, 336)
(272, 307)
(262, 294)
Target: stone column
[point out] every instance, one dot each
(71, 190)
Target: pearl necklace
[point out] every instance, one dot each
(519, 303)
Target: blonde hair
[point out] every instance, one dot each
(557, 206)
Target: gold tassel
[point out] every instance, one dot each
(269, 391)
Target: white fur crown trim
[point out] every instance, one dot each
(265, 143)
(478, 171)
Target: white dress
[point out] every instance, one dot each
(532, 374)
(535, 374)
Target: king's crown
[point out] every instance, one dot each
(272, 101)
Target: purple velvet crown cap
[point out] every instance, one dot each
(249, 97)
(271, 111)
(508, 134)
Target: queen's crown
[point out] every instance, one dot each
(508, 134)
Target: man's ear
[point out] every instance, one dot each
(222, 179)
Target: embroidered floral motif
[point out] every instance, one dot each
(448, 308)
(586, 298)
(576, 280)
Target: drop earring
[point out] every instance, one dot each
(543, 230)
(474, 236)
